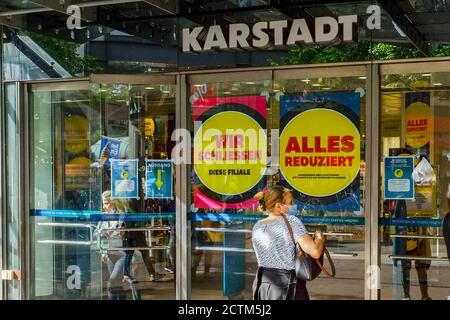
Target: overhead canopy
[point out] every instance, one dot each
(422, 23)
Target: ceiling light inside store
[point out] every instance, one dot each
(362, 78)
(426, 75)
(316, 85)
(326, 88)
(165, 91)
(149, 88)
(103, 90)
(138, 97)
(227, 92)
(437, 84)
(250, 82)
(306, 80)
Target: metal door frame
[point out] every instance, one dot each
(372, 201)
(399, 67)
(3, 184)
(182, 175)
(25, 88)
(370, 70)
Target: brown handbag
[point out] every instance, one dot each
(306, 267)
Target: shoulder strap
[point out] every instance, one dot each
(289, 228)
(333, 269)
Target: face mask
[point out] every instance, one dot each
(292, 210)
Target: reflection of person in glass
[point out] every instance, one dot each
(114, 259)
(205, 239)
(411, 247)
(136, 239)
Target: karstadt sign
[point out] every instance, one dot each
(270, 34)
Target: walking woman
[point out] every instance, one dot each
(115, 259)
(275, 252)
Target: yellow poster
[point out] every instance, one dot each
(230, 153)
(320, 152)
(76, 133)
(149, 127)
(418, 121)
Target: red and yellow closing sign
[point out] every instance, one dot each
(418, 122)
(230, 151)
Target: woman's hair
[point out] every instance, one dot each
(106, 195)
(118, 204)
(273, 196)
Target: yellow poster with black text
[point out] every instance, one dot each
(230, 151)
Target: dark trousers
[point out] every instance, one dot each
(421, 274)
(147, 261)
(136, 239)
(274, 284)
(301, 293)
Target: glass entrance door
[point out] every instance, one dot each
(101, 190)
(317, 112)
(292, 121)
(414, 182)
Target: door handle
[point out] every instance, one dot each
(224, 249)
(136, 229)
(68, 225)
(416, 236)
(147, 229)
(135, 248)
(337, 234)
(400, 257)
(68, 242)
(224, 230)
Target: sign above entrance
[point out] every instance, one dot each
(270, 34)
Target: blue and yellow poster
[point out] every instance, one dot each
(109, 149)
(320, 150)
(159, 177)
(398, 179)
(124, 179)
